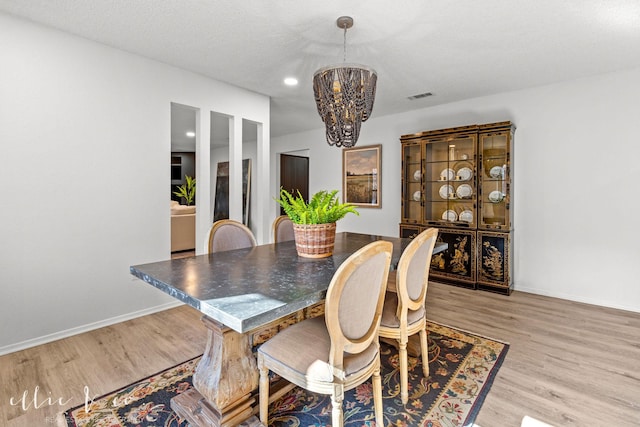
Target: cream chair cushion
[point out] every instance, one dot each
(389, 317)
(313, 361)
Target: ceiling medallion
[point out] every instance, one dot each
(344, 96)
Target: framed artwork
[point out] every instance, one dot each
(361, 176)
(221, 205)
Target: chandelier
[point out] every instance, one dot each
(344, 96)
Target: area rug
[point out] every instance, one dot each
(462, 368)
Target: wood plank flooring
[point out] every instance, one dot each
(569, 364)
(102, 360)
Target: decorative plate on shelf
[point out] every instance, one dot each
(466, 215)
(417, 195)
(464, 191)
(447, 174)
(449, 215)
(464, 174)
(496, 172)
(417, 175)
(446, 191)
(496, 196)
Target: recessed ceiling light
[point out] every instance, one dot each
(191, 134)
(291, 81)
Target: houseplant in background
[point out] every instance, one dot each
(314, 223)
(188, 190)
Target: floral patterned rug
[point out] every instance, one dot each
(462, 366)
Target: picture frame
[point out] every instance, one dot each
(361, 171)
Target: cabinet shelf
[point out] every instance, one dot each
(454, 182)
(445, 223)
(444, 161)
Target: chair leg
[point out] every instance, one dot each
(336, 405)
(377, 395)
(425, 352)
(264, 391)
(404, 373)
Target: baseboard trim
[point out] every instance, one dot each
(85, 328)
(575, 298)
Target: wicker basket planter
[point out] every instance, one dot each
(315, 240)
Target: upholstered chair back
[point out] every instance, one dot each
(414, 270)
(227, 234)
(282, 229)
(354, 301)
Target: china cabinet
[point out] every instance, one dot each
(460, 181)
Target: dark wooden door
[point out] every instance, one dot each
(294, 175)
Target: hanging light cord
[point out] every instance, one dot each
(344, 58)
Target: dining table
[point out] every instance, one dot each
(246, 296)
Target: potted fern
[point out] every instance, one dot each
(314, 223)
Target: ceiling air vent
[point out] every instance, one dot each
(420, 95)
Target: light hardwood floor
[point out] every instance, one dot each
(569, 364)
(102, 360)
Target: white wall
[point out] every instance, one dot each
(576, 172)
(85, 137)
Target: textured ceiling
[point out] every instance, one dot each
(456, 49)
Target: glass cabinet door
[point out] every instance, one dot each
(495, 180)
(450, 183)
(412, 183)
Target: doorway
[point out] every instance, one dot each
(294, 175)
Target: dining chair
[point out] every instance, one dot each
(336, 353)
(227, 234)
(282, 229)
(404, 312)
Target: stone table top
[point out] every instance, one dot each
(247, 288)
